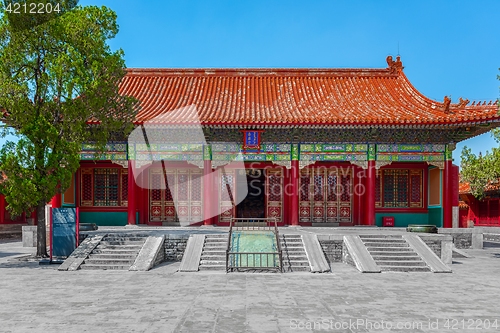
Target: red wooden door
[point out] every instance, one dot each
(274, 194)
(325, 195)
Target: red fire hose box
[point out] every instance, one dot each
(388, 221)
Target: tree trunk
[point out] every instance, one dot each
(41, 244)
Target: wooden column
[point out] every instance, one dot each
(447, 189)
(294, 198)
(369, 210)
(56, 201)
(207, 192)
(208, 188)
(369, 215)
(131, 194)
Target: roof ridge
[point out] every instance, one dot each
(261, 71)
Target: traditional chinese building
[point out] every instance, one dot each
(320, 147)
(484, 212)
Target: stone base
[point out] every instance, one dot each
(29, 236)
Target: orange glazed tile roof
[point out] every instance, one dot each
(258, 97)
(463, 188)
(462, 205)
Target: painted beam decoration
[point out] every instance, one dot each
(333, 152)
(168, 152)
(236, 152)
(116, 151)
(232, 151)
(411, 152)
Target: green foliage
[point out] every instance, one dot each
(483, 170)
(56, 78)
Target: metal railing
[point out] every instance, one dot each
(254, 260)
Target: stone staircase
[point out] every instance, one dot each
(294, 255)
(115, 252)
(393, 253)
(213, 255)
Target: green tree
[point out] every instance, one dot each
(58, 89)
(482, 170)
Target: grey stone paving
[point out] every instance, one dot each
(36, 298)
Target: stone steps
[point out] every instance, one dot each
(405, 269)
(119, 247)
(107, 261)
(213, 255)
(104, 267)
(401, 262)
(386, 244)
(393, 254)
(114, 252)
(294, 254)
(127, 256)
(384, 257)
(107, 251)
(389, 249)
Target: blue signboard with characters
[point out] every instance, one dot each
(251, 139)
(64, 231)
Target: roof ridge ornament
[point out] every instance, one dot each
(395, 67)
(462, 102)
(447, 102)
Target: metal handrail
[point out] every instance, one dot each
(253, 224)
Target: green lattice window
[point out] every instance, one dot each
(399, 188)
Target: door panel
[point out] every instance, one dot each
(274, 194)
(180, 200)
(227, 196)
(325, 195)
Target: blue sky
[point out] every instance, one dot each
(447, 47)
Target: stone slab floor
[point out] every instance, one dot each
(36, 298)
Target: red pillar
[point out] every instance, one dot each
(286, 195)
(207, 192)
(56, 201)
(2, 208)
(131, 194)
(369, 210)
(447, 194)
(294, 198)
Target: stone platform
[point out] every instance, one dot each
(43, 299)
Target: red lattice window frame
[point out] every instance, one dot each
(399, 188)
(104, 187)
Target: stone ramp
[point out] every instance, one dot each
(428, 256)
(192, 255)
(73, 262)
(151, 253)
(315, 255)
(355, 253)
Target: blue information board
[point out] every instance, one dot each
(64, 230)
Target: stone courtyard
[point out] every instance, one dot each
(39, 298)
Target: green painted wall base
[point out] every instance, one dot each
(403, 219)
(106, 218)
(436, 216)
